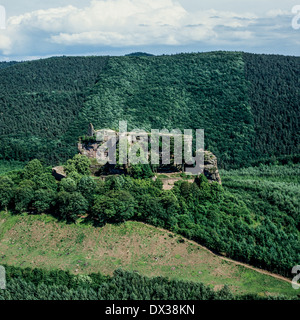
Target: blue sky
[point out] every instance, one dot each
(115, 27)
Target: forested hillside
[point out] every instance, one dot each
(274, 93)
(38, 101)
(4, 65)
(187, 91)
(247, 104)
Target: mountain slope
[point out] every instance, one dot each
(188, 91)
(247, 104)
(38, 101)
(84, 249)
(274, 93)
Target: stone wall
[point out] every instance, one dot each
(90, 150)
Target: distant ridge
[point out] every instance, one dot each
(140, 54)
(5, 64)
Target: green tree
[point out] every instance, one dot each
(204, 187)
(32, 169)
(140, 171)
(87, 187)
(75, 176)
(79, 163)
(6, 191)
(149, 209)
(171, 207)
(216, 191)
(23, 195)
(68, 185)
(115, 206)
(43, 200)
(71, 205)
(45, 181)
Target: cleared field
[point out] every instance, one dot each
(41, 241)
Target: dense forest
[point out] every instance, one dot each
(4, 65)
(274, 93)
(248, 104)
(38, 101)
(39, 284)
(253, 218)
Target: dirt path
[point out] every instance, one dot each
(274, 275)
(255, 269)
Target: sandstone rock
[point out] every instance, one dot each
(59, 173)
(90, 150)
(91, 130)
(211, 167)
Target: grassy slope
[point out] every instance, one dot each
(39, 241)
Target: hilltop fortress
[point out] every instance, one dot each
(89, 145)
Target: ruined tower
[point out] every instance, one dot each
(91, 130)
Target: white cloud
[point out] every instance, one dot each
(123, 23)
(5, 44)
(277, 12)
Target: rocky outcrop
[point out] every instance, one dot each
(59, 173)
(91, 130)
(90, 150)
(211, 167)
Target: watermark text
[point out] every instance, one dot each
(296, 18)
(296, 271)
(158, 147)
(2, 278)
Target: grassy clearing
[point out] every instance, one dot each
(40, 241)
